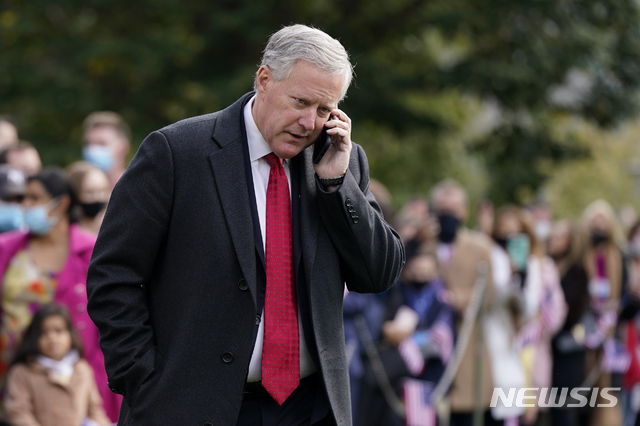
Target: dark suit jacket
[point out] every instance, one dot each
(172, 282)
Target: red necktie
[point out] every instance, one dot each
(280, 352)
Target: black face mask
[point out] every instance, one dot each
(448, 227)
(598, 238)
(502, 242)
(418, 284)
(91, 210)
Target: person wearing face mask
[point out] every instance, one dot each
(93, 189)
(611, 299)
(566, 246)
(12, 186)
(416, 342)
(47, 262)
(106, 139)
(460, 252)
(542, 308)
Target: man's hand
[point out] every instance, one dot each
(336, 161)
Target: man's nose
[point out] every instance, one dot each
(308, 120)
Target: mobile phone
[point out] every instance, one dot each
(322, 144)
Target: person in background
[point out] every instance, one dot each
(485, 216)
(49, 384)
(418, 330)
(410, 220)
(12, 187)
(461, 253)
(368, 307)
(543, 309)
(631, 384)
(47, 262)
(542, 218)
(106, 143)
(608, 279)
(93, 189)
(566, 246)
(8, 133)
(23, 156)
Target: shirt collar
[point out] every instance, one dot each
(258, 146)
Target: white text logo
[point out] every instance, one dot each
(554, 397)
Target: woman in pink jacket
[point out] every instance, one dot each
(47, 263)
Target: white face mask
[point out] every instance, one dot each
(542, 230)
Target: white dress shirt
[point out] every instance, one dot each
(260, 169)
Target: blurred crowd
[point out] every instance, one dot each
(522, 301)
(51, 367)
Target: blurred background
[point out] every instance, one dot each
(520, 101)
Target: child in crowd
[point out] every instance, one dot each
(49, 384)
(417, 342)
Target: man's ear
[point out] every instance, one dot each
(263, 78)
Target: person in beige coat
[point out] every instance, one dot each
(48, 383)
(460, 253)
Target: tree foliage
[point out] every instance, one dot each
(424, 70)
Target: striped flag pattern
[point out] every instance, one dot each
(551, 316)
(418, 409)
(530, 333)
(442, 334)
(616, 358)
(606, 321)
(412, 356)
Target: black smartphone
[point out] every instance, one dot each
(322, 144)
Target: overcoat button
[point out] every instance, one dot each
(348, 202)
(257, 319)
(356, 219)
(242, 285)
(353, 215)
(227, 357)
(208, 424)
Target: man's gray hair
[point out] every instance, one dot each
(300, 42)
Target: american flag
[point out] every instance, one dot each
(552, 316)
(530, 333)
(442, 334)
(605, 322)
(417, 402)
(412, 356)
(616, 358)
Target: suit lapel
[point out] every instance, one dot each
(309, 218)
(227, 165)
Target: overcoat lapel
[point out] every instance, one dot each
(227, 165)
(309, 218)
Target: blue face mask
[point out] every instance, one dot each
(38, 221)
(11, 217)
(98, 155)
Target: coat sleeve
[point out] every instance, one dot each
(19, 398)
(371, 252)
(133, 230)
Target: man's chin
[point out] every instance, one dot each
(290, 150)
